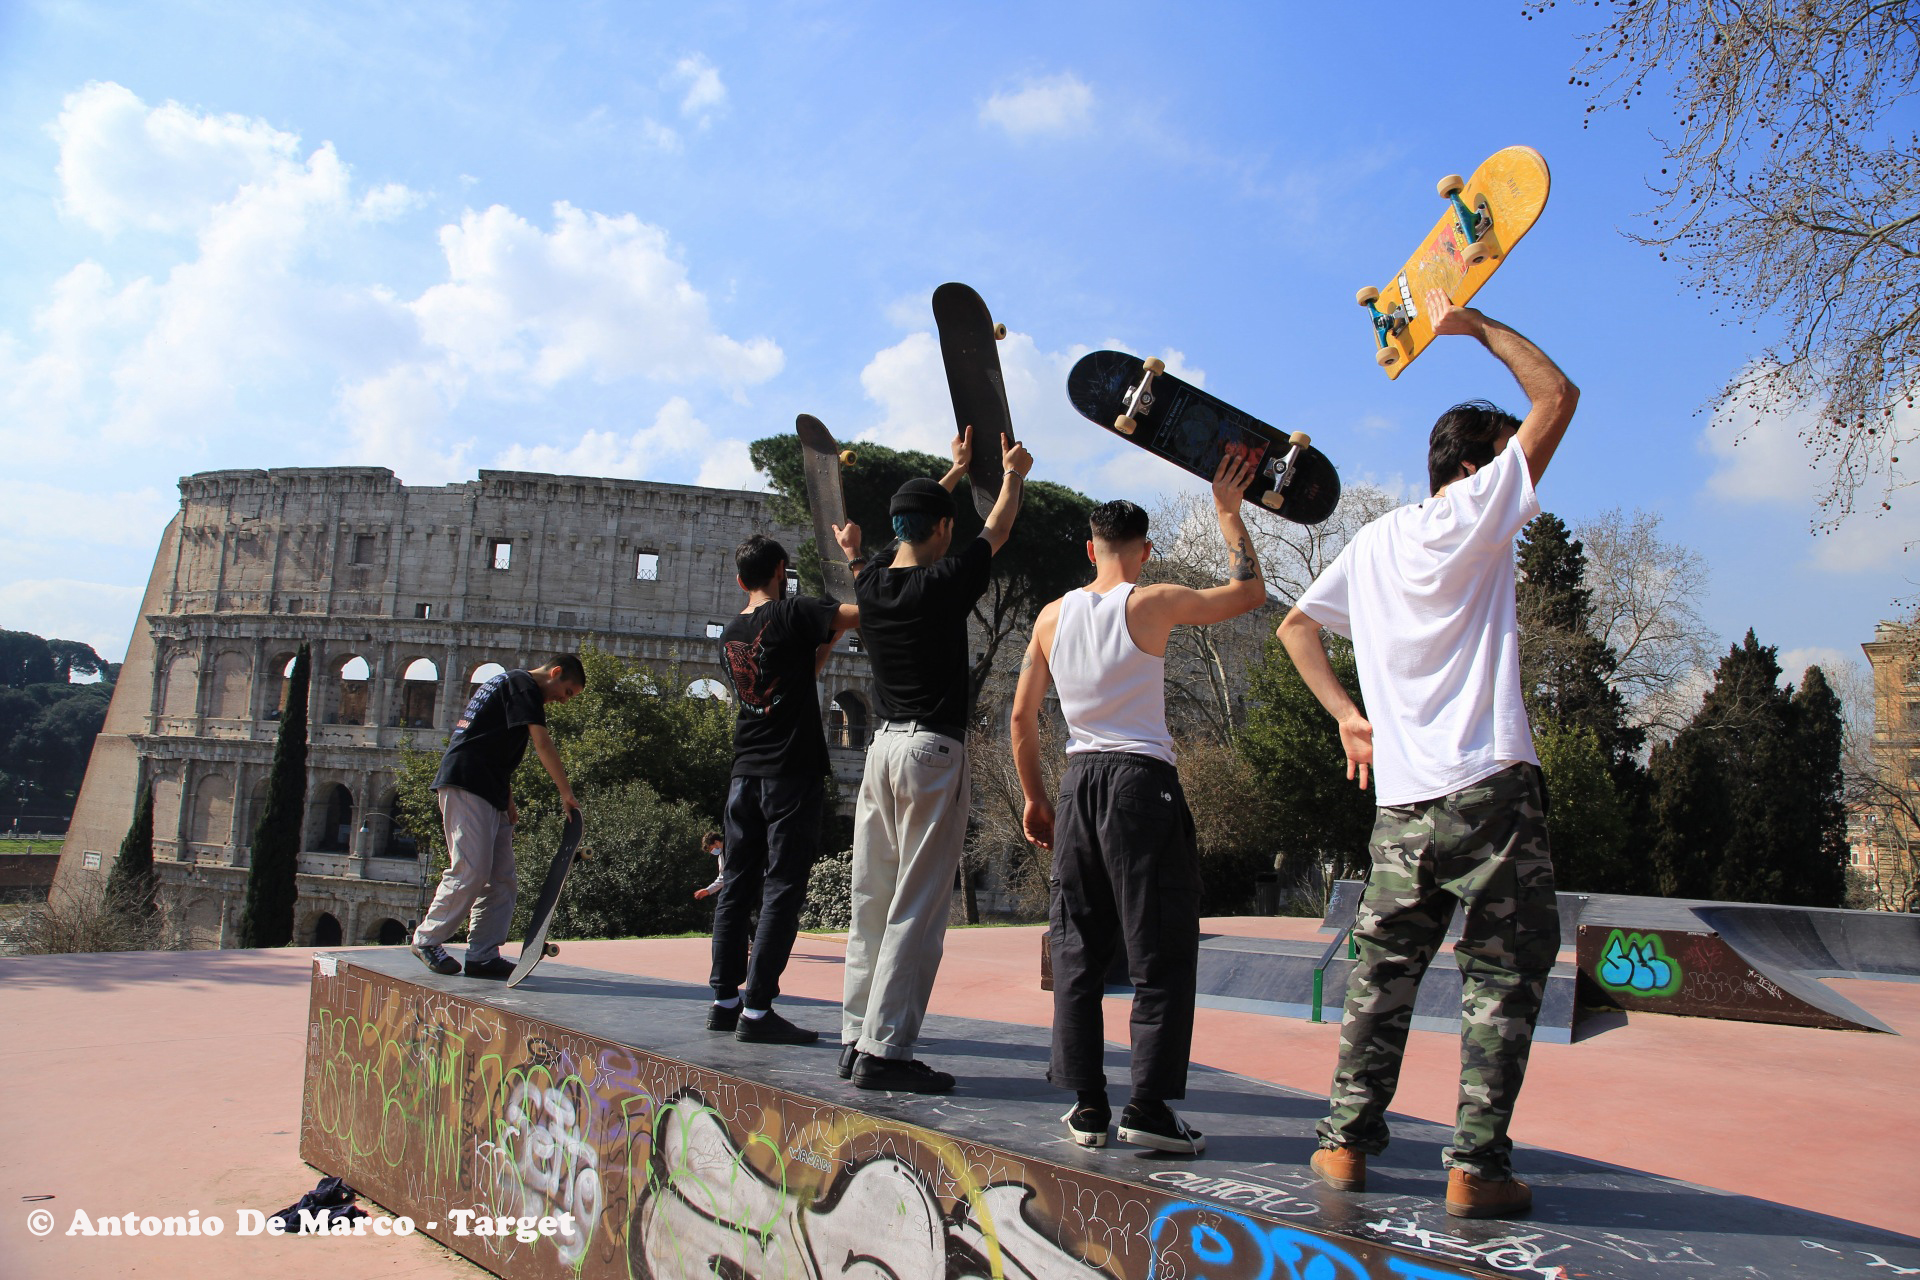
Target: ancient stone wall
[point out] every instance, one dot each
(406, 596)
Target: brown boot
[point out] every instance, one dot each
(1469, 1196)
(1341, 1168)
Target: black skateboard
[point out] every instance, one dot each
(536, 947)
(1139, 401)
(827, 500)
(967, 346)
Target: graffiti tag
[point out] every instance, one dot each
(1638, 964)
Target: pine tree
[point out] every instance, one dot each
(1293, 747)
(1566, 669)
(272, 887)
(132, 885)
(1746, 803)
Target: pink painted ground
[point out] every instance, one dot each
(163, 1083)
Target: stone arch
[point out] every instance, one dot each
(334, 805)
(231, 686)
(390, 838)
(848, 724)
(326, 930)
(386, 932)
(708, 687)
(180, 691)
(484, 672)
(419, 693)
(166, 805)
(249, 816)
(202, 922)
(279, 668)
(211, 821)
(352, 679)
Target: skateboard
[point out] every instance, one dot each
(827, 499)
(1149, 407)
(535, 947)
(1485, 217)
(967, 338)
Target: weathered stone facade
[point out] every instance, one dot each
(404, 594)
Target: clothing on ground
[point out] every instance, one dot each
(770, 655)
(1426, 593)
(1484, 846)
(490, 737)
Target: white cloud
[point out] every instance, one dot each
(1769, 463)
(41, 514)
(98, 613)
(703, 94)
(384, 204)
(1056, 105)
(675, 438)
(1794, 662)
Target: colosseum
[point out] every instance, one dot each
(407, 595)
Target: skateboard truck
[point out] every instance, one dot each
(1476, 224)
(1281, 469)
(1139, 396)
(1392, 322)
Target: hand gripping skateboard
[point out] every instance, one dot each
(536, 947)
(1485, 217)
(827, 500)
(1145, 405)
(967, 346)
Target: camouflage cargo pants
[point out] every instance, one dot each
(1485, 845)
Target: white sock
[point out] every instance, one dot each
(727, 1004)
(753, 1013)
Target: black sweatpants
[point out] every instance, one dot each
(1126, 871)
(773, 837)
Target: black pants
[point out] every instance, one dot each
(773, 837)
(1126, 871)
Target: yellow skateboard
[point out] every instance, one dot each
(1486, 216)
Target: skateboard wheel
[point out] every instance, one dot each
(550, 949)
(1477, 252)
(1273, 498)
(1450, 186)
(1155, 365)
(1300, 439)
(999, 332)
(1124, 425)
(1387, 357)
(1366, 296)
(848, 457)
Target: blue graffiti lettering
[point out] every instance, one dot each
(1638, 963)
(1217, 1243)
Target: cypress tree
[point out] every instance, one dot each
(1567, 670)
(132, 885)
(267, 920)
(1819, 877)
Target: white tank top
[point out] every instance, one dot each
(1113, 695)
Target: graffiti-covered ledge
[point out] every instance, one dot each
(676, 1153)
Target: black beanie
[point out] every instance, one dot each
(922, 496)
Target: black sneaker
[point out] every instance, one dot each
(899, 1075)
(499, 968)
(723, 1017)
(1157, 1125)
(435, 957)
(849, 1056)
(771, 1028)
(1087, 1124)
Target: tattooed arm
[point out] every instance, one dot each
(1155, 610)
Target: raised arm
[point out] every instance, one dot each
(1166, 605)
(1551, 395)
(1028, 696)
(962, 450)
(1013, 483)
(845, 618)
(1300, 635)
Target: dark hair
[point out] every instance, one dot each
(1118, 521)
(915, 526)
(758, 559)
(710, 837)
(570, 668)
(1465, 433)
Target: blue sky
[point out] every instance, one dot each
(627, 239)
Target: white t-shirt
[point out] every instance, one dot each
(1426, 593)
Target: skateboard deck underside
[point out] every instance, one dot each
(1192, 430)
(827, 501)
(534, 946)
(971, 354)
(1514, 183)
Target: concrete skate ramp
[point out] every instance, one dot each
(1876, 945)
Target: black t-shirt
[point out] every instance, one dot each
(913, 625)
(490, 737)
(770, 655)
